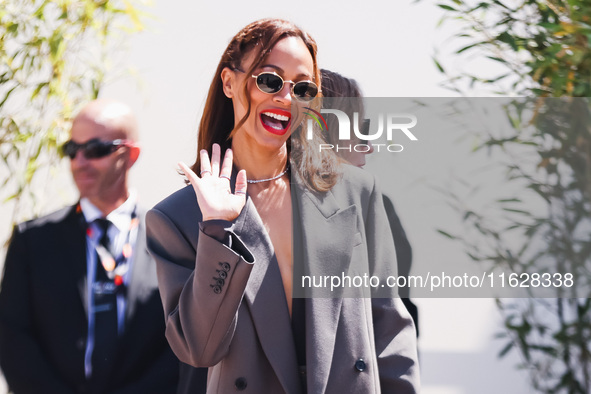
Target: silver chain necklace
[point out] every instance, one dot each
(269, 179)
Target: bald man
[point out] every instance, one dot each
(80, 310)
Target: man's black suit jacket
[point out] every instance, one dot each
(43, 315)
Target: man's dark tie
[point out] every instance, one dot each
(105, 313)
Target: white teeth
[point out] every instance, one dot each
(282, 118)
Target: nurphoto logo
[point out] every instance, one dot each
(388, 124)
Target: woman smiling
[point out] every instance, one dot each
(225, 245)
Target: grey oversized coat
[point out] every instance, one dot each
(240, 326)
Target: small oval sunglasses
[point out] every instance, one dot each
(271, 83)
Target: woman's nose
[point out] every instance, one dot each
(284, 95)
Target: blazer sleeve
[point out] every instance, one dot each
(201, 285)
(394, 331)
(25, 367)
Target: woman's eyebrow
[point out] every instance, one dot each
(280, 71)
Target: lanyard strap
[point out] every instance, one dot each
(116, 268)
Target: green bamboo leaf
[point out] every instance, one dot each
(447, 7)
(507, 38)
(506, 200)
(7, 95)
(12, 28)
(38, 89)
(31, 169)
(57, 46)
(39, 13)
(446, 234)
(497, 59)
(438, 65)
(12, 197)
(474, 257)
(506, 349)
(503, 5)
(483, 5)
(517, 211)
(463, 49)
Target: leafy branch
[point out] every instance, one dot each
(54, 56)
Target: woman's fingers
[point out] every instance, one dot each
(191, 176)
(226, 170)
(241, 184)
(205, 164)
(215, 160)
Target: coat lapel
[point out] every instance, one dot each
(265, 298)
(74, 241)
(327, 234)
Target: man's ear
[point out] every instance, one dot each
(134, 153)
(228, 82)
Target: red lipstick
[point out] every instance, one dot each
(276, 121)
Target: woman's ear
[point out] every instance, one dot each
(228, 82)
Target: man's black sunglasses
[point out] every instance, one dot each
(93, 149)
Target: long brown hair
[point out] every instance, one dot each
(318, 172)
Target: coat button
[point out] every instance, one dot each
(217, 289)
(225, 266)
(240, 384)
(360, 365)
(219, 281)
(222, 274)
